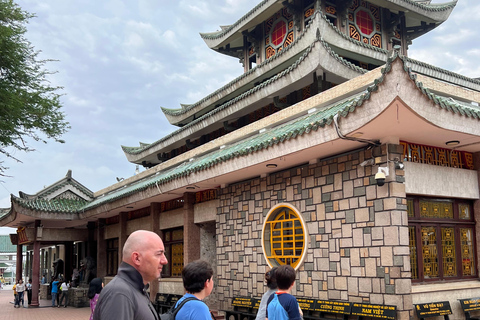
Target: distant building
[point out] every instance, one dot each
(8, 259)
(334, 152)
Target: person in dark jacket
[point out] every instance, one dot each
(125, 297)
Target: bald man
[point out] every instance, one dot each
(125, 297)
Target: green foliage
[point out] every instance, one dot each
(29, 105)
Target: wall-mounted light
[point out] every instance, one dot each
(452, 143)
(190, 188)
(129, 207)
(271, 165)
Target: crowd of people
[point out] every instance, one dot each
(126, 295)
(19, 289)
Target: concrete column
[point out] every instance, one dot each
(122, 236)
(101, 249)
(19, 266)
(155, 227)
(36, 268)
(191, 232)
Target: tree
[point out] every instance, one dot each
(30, 107)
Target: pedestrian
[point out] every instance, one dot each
(15, 294)
(125, 297)
(96, 286)
(54, 291)
(20, 291)
(29, 291)
(64, 293)
(44, 279)
(282, 305)
(272, 288)
(198, 283)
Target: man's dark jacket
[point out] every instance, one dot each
(125, 298)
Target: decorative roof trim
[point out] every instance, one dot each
(50, 206)
(226, 29)
(403, 3)
(455, 78)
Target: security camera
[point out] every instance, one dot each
(381, 175)
(380, 178)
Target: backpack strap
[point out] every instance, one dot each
(175, 310)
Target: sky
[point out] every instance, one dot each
(119, 62)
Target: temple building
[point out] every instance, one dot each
(333, 152)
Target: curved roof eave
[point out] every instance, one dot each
(319, 55)
(8, 215)
(437, 12)
(319, 23)
(264, 9)
(66, 208)
(442, 74)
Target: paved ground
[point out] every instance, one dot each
(44, 312)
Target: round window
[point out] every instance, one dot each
(364, 22)
(284, 236)
(278, 33)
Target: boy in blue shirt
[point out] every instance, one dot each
(198, 283)
(282, 305)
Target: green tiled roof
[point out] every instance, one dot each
(4, 212)
(51, 206)
(6, 245)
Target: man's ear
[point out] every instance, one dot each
(136, 258)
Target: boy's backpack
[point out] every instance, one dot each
(275, 310)
(170, 315)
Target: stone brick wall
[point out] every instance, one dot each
(358, 232)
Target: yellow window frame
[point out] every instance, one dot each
(284, 236)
